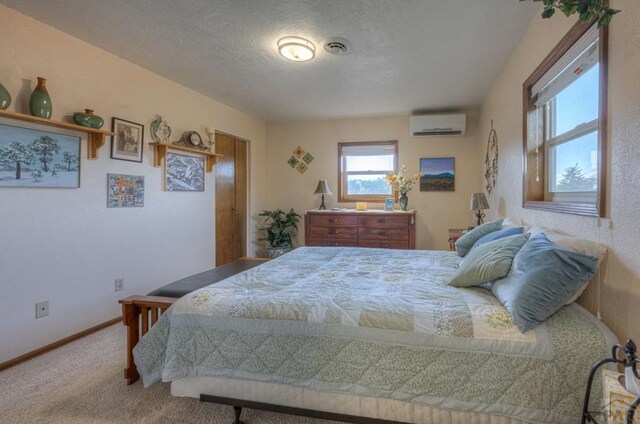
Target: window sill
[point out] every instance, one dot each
(363, 199)
(583, 209)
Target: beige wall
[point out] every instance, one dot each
(65, 246)
(437, 211)
(620, 294)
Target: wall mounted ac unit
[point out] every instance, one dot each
(429, 125)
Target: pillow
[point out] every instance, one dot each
(488, 262)
(465, 243)
(543, 278)
(586, 247)
(498, 235)
(511, 222)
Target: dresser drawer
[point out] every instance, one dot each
(384, 244)
(334, 220)
(383, 234)
(384, 221)
(333, 232)
(332, 242)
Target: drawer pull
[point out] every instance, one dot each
(334, 233)
(333, 220)
(383, 233)
(383, 245)
(332, 244)
(383, 221)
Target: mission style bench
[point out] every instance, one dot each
(139, 313)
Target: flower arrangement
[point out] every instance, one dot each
(400, 182)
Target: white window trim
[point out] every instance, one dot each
(344, 175)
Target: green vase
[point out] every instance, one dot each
(5, 98)
(403, 201)
(40, 102)
(88, 119)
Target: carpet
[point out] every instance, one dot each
(83, 383)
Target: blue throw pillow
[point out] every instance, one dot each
(543, 278)
(465, 243)
(507, 232)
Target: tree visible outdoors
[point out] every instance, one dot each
(368, 186)
(574, 179)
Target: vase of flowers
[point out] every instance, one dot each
(403, 184)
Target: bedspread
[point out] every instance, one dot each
(377, 323)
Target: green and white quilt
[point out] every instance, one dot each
(377, 323)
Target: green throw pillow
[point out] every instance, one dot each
(488, 262)
(466, 242)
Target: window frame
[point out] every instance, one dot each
(536, 193)
(343, 195)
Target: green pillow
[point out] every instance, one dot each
(466, 242)
(488, 262)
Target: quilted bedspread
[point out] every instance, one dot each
(378, 323)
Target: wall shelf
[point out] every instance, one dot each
(160, 154)
(95, 137)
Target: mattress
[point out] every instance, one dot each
(377, 324)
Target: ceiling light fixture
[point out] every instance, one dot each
(296, 48)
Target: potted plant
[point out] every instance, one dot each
(279, 226)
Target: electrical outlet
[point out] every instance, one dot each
(119, 284)
(42, 309)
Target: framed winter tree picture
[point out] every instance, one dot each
(35, 158)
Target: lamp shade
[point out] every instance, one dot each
(322, 188)
(479, 201)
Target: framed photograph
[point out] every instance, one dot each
(438, 174)
(40, 159)
(125, 191)
(128, 141)
(389, 204)
(184, 173)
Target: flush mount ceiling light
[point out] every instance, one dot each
(296, 48)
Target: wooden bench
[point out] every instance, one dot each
(140, 313)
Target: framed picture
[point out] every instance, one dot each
(389, 203)
(438, 174)
(125, 191)
(128, 141)
(184, 173)
(40, 159)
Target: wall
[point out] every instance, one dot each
(620, 293)
(437, 211)
(65, 246)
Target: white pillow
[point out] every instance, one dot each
(586, 247)
(511, 222)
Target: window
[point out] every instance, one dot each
(362, 169)
(564, 125)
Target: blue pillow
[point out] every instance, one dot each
(513, 231)
(543, 278)
(465, 243)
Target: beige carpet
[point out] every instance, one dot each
(82, 382)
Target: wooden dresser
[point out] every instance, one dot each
(389, 230)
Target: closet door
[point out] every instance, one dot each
(231, 199)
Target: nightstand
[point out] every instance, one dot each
(454, 235)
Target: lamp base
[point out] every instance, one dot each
(479, 217)
(322, 206)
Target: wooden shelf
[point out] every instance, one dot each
(95, 137)
(160, 154)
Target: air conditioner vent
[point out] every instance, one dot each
(337, 46)
(442, 124)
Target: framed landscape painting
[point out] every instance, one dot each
(38, 159)
(437, 174)
(184, 173)
(128, 141)
(125, 191)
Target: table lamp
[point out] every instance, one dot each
(322, 188)
(478, 203)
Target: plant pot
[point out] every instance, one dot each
(274, 252)
(5, 98)
(88, 119)
(40, 102)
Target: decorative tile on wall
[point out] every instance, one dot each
(300, 160)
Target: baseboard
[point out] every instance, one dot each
(30, 355)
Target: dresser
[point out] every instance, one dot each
(388, 230)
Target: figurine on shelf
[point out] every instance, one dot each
(160, 130)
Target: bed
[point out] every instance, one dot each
(371, 333)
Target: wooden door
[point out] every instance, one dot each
(231, 199)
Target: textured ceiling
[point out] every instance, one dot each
(406, 55)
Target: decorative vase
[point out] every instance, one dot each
(403, 201)
(5, 98)
(88, 119)
(274, 252)
(40, 102)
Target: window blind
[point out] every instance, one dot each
(369, 150)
